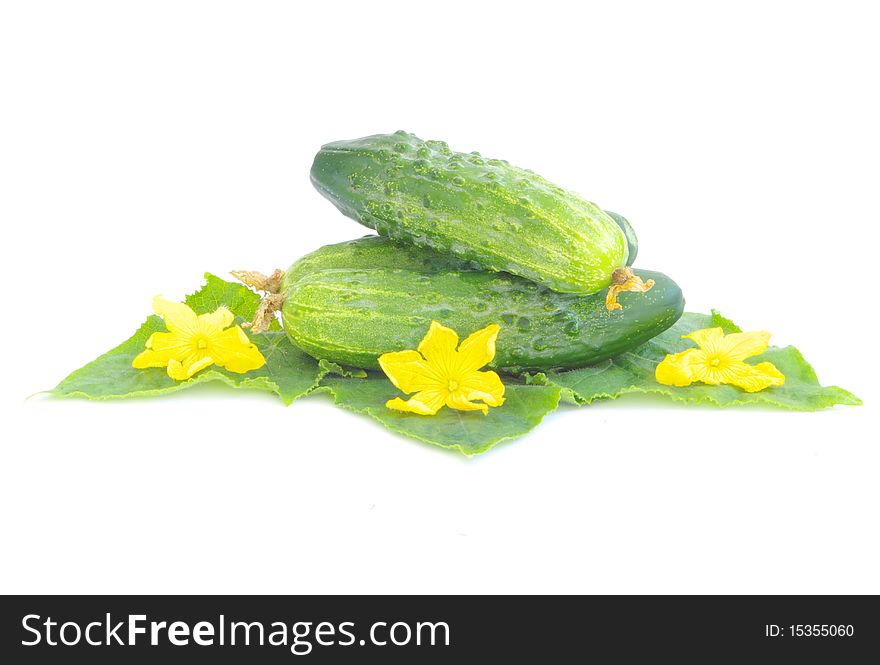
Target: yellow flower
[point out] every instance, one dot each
(438, 374)
(623, 280)
(195, 341)
(721, 359)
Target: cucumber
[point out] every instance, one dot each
(483, 210)
(359, 254)
(632, 241)
(349, 303)
(372, 252)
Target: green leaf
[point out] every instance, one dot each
(288, 372)
(633, 372)
(716, 320)
(468, 432)
(330, 367)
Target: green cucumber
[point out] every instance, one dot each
(632, 241)
(372, 252)
(349, 303)
(483, 210)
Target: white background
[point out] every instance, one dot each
(142, 144)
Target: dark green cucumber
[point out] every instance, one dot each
(351, 302)
(632, 241)
(484, 210)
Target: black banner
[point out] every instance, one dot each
(434, 629)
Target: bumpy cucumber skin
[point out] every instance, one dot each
(352, 302)
(632, 241)
(482, 210)
(372, 252)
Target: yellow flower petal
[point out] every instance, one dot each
(180, 372)
(438, 347)
(711, 340)
(739, 346)
(175, 344)
(178, 317)
(676, 369)
(232, 350)
(485, 386)
(753, 378)
(408, 371)
(478, 349)
(770, 370)
(424, 403)
(215, 321)
(150, 358)
(458, 400)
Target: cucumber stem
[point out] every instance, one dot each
(270, 303)
(624, 279)
(258, 281)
